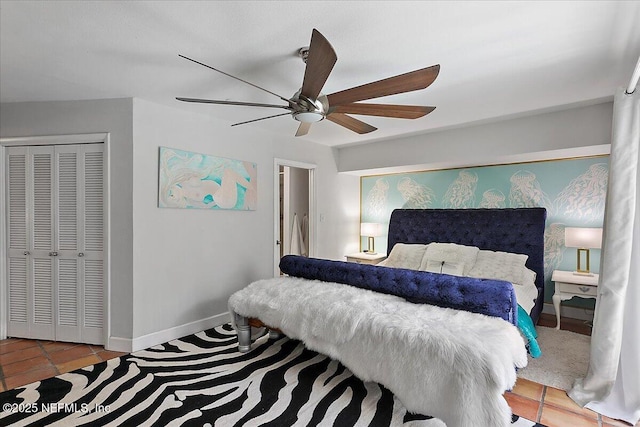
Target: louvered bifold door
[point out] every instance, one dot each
(68, 210)
(55, 226)
(31, 242)
(18, 261)
(79, 243)
(91, 243)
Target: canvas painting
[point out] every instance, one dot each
(200, 181)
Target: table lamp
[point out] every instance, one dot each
(583, 239)
(371, 230)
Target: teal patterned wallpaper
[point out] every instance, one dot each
(572, 190)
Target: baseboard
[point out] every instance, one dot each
(122, 345)
(129, 345)
(570, 312)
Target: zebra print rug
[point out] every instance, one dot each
(202, 380)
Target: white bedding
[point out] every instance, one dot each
(460, 260)
(450, 364)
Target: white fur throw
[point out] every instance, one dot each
(450, 364)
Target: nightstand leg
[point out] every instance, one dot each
(556, 306)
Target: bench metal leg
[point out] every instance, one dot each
(273, 335)
(244, 333)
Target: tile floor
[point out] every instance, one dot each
(24, 361)
(551, 406)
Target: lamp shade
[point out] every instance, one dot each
(590, 238)
(371, 229)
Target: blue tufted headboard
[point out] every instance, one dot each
(519, 230)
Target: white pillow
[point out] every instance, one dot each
(500, 266)
(450, 253)
(405, 255)
(444, 267)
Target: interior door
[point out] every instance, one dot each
(290, 202)
(55, 237)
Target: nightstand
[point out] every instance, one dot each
(569, 285)
(365, 258)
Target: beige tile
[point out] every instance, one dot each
(522, 406)
(69, 354)
(107, 354)
(559, 398)
(29, 377)
(528, 389)
(553, 416)
(25, 366)
(72, 365)
(53, 346)
(17, 356)
(13, 344)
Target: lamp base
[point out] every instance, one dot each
(370, 246)
(583, 273)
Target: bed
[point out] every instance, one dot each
(446, 345)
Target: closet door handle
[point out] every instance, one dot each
(53, 253)
(27, 253)
(80, 254)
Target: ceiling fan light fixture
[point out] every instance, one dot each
(308, 116)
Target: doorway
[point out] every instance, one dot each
(294, 216)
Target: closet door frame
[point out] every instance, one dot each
(56, 140)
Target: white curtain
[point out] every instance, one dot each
(612, 384)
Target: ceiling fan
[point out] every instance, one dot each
(308, 105)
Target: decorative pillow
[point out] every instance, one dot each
(444, 267)
(405, 256)
(501, 266)
(450, 253)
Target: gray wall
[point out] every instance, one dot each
(503, 141)
(74, 117)
(188, 262)
(174, 267)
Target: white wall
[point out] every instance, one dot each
(173, 270)
(74, 117)
(188, 262)
(553, 134)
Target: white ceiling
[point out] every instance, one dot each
(497, 58)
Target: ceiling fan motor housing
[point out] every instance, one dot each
(307, 110)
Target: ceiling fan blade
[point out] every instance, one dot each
(303, 129)
(407, 82)
(234, 77)
(385, 110)
(351, 123)
(262, 118)
(245, 104)
(320, 62)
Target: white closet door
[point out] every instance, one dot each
(30, 229)
(91, 243)
(18, 261)
(42, 253)
(55, 223)
(68, 210)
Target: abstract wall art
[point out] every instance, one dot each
(199, 181)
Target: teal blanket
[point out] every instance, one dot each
(528, 329)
